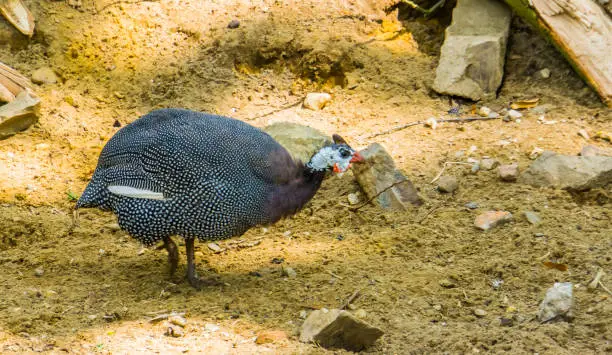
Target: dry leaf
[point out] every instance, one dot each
(556, 266)
(527, 103)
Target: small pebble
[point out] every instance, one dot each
(233, 24)
(484, 111)
(317, 100)
(289, 272)
(471, 205)
(447, 184)
(44, 75)
(543, 74)
(514, 114)
(437, 307)
(39, 272)
(505, 322)
(493, 115)
(214, 247)
(174, 332)
(211, 327)
(535, 153)
(584, 134)
(178, 320)
(360, 313)
(431, 122)
(353, 198)
(480, 312)
(446, 283)
(532, 217)
(508, 172)
(303, 314)
(488, 164)
(490, 219)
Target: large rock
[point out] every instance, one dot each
(338, 329)
(472, 56)
(19, 114)
(379, 173)
(569, 172)
(301, 141)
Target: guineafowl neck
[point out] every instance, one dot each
(288, 199)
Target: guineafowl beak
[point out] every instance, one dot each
(357, 158)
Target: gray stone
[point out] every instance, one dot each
(471, 205)
(543, 74)
(289, 272)
(301, 141)
(557, 303)
(532, 217)
(379, 173)
(18, 114)
(448, 184)
(490, 219)
(488, 164)
(480, 312)
(593, 151)
(514, 114)
(473, 54)
(44, 75)
(338, 329)
(484, 111)
(569, 172)
(508, 172)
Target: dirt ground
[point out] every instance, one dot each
(93, 289)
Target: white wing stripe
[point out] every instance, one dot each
(136, 193)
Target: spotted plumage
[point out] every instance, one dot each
(179, 172)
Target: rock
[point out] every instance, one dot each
(303, 314)
(584, 134)
(316, 100)
(18, 114)
(535, 153)
(39, 272)
(592, 151)
(379, 173)
(233, 24)
(506, 322)
(175, 332)
(301, 141)
(543, 74)
(532, 217)
(178, 320)
(211, 328)
(361, 313)
(484, 111)
(288, 272)
(44, 75)
(214, 247)
(270, 336)
(431, 122)
(514, 114)
(508, 172)
(353, 198)
(557, 303)
(473, 54)
(447, 184)
(569, 172)
(446, 283)
(488, 164)
(338, 329)
(480, 312)
(471, 205)
(490, 219)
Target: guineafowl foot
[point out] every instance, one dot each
(172, 254)
(192, 275)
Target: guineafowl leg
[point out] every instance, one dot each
(172, 254)
(192, 275)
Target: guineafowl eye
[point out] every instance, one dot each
(345, 153)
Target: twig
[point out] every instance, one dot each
(444, 168)
(426, 12)
(429, 213)
(353, 209)
(162, 317)
(351, 299)
(336, 276)
(596, 280)
(282, 108)
(399, 128)
(604, 287)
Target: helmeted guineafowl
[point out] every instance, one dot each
(179, 172)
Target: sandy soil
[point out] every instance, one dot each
(93, 289)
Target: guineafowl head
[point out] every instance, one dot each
(336, 157)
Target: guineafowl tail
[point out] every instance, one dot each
(95, 195)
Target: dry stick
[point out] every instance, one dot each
(282, 108)
(444, 168)
(336, 276)
(399, 128)
(353, 209)
(351, 299)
